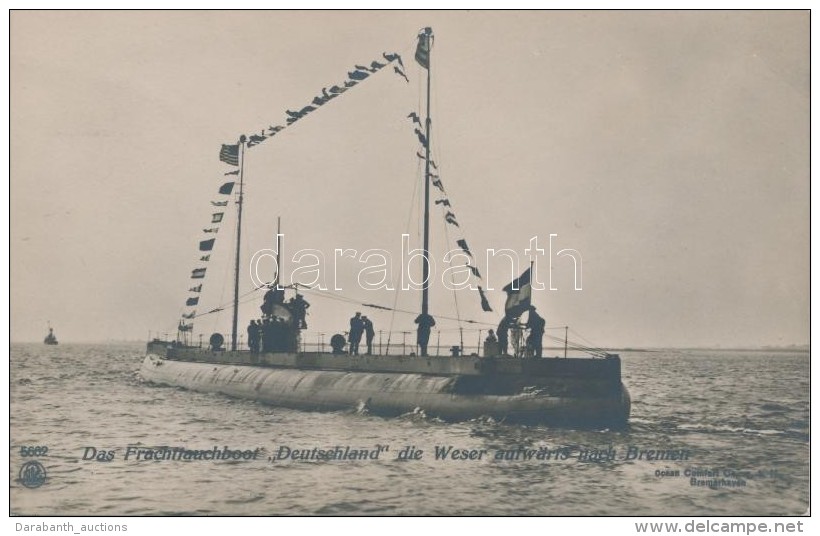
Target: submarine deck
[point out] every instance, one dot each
(601, 371)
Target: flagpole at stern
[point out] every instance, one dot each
(234, 325)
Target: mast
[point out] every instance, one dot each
(566, 338)
(425, 42)
(238, 245)
(278, 250)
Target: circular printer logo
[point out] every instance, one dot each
(32, 474)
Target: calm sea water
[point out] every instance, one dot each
(744, 414)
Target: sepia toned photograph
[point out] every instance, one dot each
(409, 263)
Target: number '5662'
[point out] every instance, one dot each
(33, 451)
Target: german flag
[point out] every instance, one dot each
(519, 294)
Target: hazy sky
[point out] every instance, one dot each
(671, 149)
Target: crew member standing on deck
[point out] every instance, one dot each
(425, 322)
(252, 337)
(503, 332)
(356, 330)
(267, 304)
(491, 345)
(274, 296)
(369, 333)
(299, 306)
(536, 324)
(267, 336)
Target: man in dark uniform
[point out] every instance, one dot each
(278, 295)
(503, 332)
(356, 329)
(369, 333)
(252, 338)
(267, 336)
(274, 296)
(267, 304)
(536, 326)
(425, 322)
(298, 307)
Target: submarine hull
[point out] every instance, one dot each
(448, 397)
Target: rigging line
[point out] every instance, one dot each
(222, 306)
(407, 231)
(587, 345)
(459, 329)
(226, 267)
(218, 309)
(573, 346)
(586, 349)
(321, 294)
(575, 332)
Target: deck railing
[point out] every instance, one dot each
(442, 343)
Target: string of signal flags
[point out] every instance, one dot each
(229, 154)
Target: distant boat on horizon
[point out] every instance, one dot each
(50, 338)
